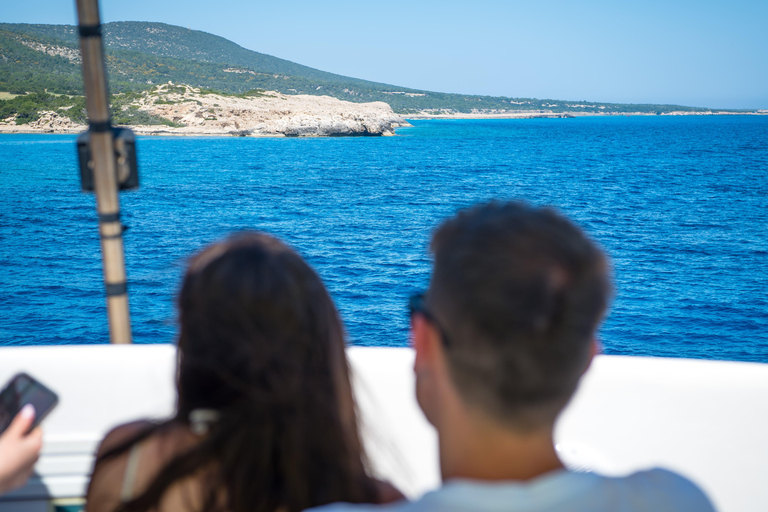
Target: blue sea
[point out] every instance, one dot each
(679, 203)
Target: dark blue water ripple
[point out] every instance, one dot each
(681, 205)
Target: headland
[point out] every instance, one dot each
(184, 110)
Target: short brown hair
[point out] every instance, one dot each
(519, 291)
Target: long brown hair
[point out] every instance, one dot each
(261, 342)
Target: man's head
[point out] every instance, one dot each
(515, 298)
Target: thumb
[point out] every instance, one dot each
(23, 421)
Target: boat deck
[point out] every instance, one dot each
(704, 419)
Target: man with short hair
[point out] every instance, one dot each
(502, 337)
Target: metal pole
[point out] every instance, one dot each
(104, 174)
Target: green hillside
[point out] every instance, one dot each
(23, 69)
(39, 58)
(163, 40)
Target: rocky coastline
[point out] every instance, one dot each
(186, 110)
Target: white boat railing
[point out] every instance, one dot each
(704, 419)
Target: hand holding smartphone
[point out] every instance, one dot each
(20, 391)
(23, 404)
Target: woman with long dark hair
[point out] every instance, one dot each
(265, 417)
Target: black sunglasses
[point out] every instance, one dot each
(416, 304)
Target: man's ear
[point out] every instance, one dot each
(426, 366)
(421, 336)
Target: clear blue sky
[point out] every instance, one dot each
(700, 53)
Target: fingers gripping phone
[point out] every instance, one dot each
(20, 391)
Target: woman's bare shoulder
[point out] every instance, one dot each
(103, 493)
(122, 434)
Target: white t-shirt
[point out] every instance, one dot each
(656, 490)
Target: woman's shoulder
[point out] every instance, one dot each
(122, 434)
(128, 458)
(109, 470)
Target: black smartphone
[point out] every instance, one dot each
(20, 391)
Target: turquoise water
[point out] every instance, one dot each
(679, 203)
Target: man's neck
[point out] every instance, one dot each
(478, 448)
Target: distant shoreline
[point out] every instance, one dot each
(564, 115)
(162, 131)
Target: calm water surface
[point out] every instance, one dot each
(680, 204)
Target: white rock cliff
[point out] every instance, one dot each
(265, 113)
